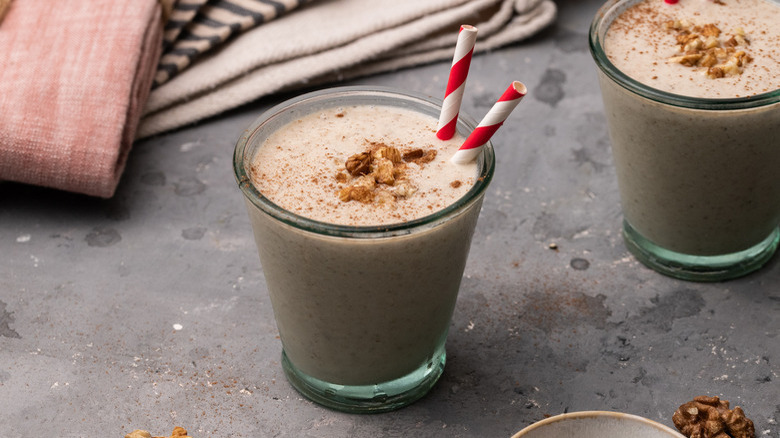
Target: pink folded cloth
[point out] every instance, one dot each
(74, 77)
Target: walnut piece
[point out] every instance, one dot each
(715, 72)
(383, 172)
(178, 432)
(361, 190)
(359, 164)
(413, 154)
(419, 156)
(710, 417)
(404, 189)
(687, 60)
(385, 197)
(708, 30)
(708, 60)
(389, 153)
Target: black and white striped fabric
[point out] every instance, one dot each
(197, 26)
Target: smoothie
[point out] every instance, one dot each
(692, 97)
(363, 227)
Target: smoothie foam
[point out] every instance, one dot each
(650, 41)
(305, 173)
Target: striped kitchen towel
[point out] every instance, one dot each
(197, 26)
(327, 41)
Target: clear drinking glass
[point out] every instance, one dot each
(357, 336)
(699, 179)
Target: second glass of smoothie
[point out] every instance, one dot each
(694, 139)
(363, 311)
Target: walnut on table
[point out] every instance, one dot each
(710, 417)
(178, 432)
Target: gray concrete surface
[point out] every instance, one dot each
(149, 310)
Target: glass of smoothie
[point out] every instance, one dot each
(363, 287)
(691, 92)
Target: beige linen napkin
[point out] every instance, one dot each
(329, 40)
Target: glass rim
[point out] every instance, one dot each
(596, 34)
(485, 175)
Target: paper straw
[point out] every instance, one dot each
(456, 83)
(472, 147)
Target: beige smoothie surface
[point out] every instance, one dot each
(699, 48)
(361, 165)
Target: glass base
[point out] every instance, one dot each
(700, 268)
(365, 399)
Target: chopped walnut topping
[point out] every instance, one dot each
(378, 174)
(702, 46)
(710, 417)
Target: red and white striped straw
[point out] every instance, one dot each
(493, 120)
(671, 2)
(456, 83)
